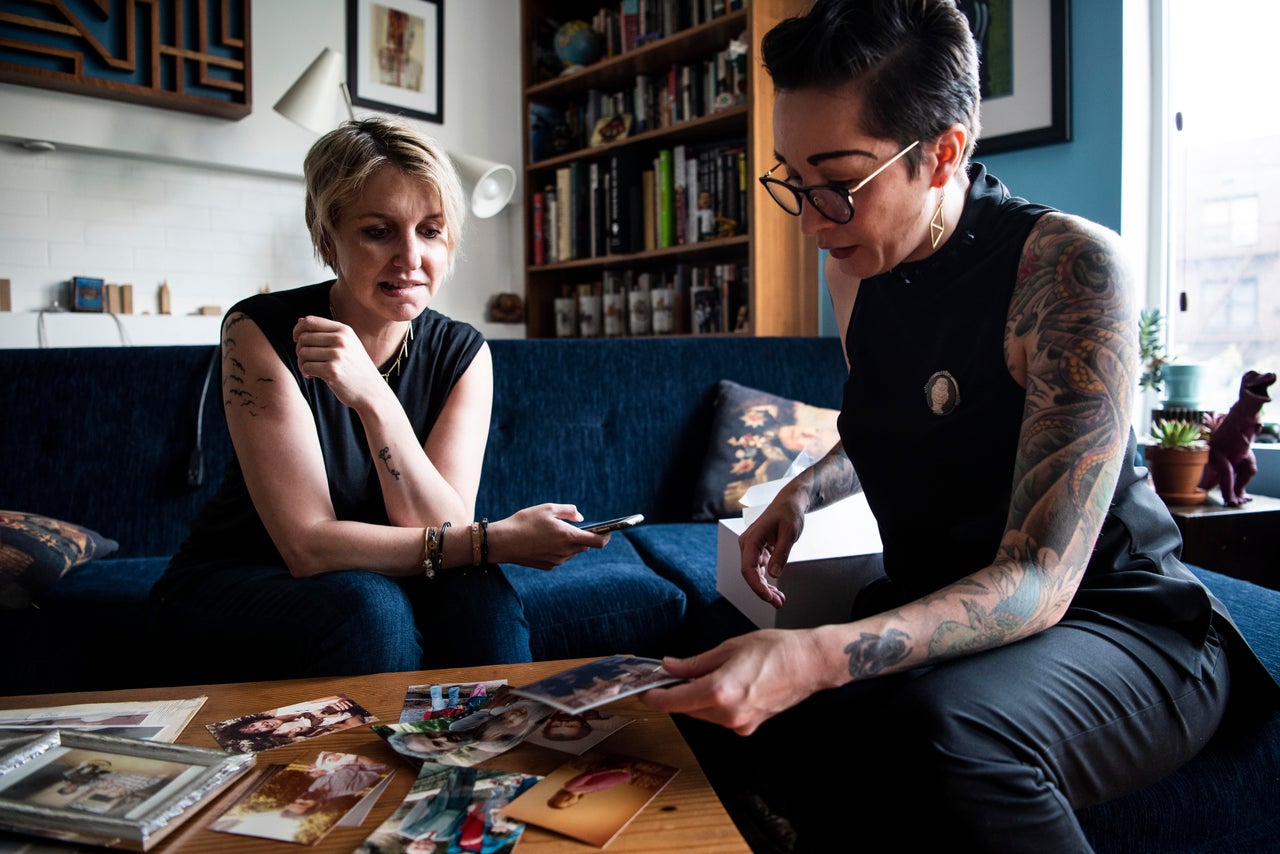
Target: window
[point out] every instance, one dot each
(1223, 190)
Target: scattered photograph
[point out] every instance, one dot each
(577, 733)
(150, 720)
(589, 685)
(486, 731)
(424, 702)
(303, 801)
(289, 724)
(592, 797)
(84, 786)
(453, 808)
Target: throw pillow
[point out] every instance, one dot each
(35, 551)
(755, 437)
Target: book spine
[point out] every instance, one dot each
(552, 225)
(650, 215)
(692, 198)
(539, 206)
(680, 192)
(666, 200)
(594, 214)
(564, 214)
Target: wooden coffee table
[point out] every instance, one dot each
(685, 816)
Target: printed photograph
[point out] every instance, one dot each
(577, 733)
(105, 784)
(484, 732)
(303, 801)
(425, 702)
(289, 724)
(592, 797)
(453, 808)
(598, 682)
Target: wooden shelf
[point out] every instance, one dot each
(780, 263)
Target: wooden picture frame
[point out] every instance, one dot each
(395, 56)
(107, 790)
(1025, 69)
(88, 294)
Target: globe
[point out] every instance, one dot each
(577, 44)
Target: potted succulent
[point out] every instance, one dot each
(1177, 458)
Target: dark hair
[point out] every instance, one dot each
(916, 59)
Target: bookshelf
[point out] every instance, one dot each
(748, 251)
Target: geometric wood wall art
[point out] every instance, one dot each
(190, 55)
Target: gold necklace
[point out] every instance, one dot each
(404, 347)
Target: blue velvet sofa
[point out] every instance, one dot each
(104, 438)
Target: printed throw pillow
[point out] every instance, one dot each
(755, 437)
(36, 551)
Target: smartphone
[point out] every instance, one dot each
(611, 524)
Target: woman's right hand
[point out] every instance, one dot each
(541, 537)
(766, 543)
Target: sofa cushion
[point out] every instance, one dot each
(755, 437)
(91, 630)
(1225, 798)
(602, 602)
(36, 551)
(684, 553)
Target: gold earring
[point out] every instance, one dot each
(937, 225)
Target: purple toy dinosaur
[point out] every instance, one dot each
(1231, 462)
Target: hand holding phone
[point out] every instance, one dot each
(611, 524)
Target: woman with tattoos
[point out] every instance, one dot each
(343, 539)
(1035, 645)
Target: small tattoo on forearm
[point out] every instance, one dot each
(385, 456)
(871, 654)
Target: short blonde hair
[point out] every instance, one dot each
(342, 161)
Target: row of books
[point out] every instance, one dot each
(630, 24)
(686, 299)
(683, 92)
(624, 204)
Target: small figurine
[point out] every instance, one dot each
(1231, 462)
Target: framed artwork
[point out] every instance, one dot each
(395, 56)
(108, 790)
(87, 294)
(1025, 70)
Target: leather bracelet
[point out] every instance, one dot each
(438, 564)
(475, 543)
(484, 542)
(430, 543)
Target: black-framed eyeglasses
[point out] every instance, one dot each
(833, 202)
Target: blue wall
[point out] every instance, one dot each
(1081, 176)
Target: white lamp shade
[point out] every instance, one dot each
(490, 184)
(311, 100)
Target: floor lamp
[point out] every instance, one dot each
(309, 103)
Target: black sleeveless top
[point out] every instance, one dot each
(931, 419)
(229, 528)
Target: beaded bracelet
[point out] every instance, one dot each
(484, 542)
(475, 543)
(430, 544)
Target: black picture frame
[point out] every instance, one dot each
(371, 63)
(88, 294)
(1031, 74)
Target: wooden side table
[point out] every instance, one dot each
(1243, 542)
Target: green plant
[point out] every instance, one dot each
(1177, 433)
(1151, 349)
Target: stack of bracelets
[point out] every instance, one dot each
(433, 546)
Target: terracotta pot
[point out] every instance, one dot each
(1176, 473)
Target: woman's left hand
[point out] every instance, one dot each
(744, 681)
(331, 352)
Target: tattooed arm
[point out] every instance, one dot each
(1070, 342)
(424, 480)
(766, 543)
